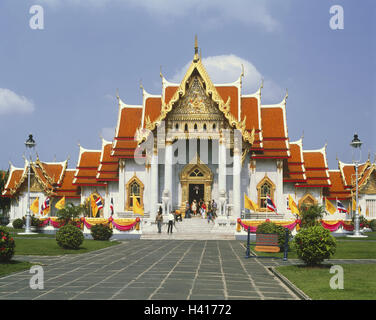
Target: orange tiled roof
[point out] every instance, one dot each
(67, 188)
(87, 167)
(337, 188)
(14, 178)
(316, 169)
(274, 133)
(231, 92)
(108, 166)
(295, 164)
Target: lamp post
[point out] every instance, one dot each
(356, 144)
(30, 143)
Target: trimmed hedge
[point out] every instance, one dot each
(18, 223)
(69, 237)
(314, 244)
(101, 232)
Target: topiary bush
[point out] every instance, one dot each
(372, 225)
(69, 237)
(101, 232)
(7, 245)
(270, 227)
(18, 223)
(314, 244)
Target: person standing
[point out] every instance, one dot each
(214, 209)
(159, 220)
(187, 210)
(194, 207)
(171, 219)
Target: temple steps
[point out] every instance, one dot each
(195, 228)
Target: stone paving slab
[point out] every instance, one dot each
(149, 270)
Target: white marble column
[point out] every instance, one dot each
(119, 203)
(154, 184)
(221, 173)
(237, 164)
(168, 170)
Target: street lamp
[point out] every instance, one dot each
(356, 144)
(30, 144)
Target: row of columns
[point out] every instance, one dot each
(168, 183)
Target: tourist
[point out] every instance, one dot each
(159, 220)
(194, 207)
(187, 210)
(178, 216)
(203, 210)
(214, 208)
(171, 219)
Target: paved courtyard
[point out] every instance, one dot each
(152, 270)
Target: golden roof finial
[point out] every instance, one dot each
(196, 57)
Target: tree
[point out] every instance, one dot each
(311, 215)
(69, 213)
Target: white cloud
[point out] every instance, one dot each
(108, 133)
(227, 69)
(212, 13)
(11, 102)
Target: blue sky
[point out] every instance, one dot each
(60, 83)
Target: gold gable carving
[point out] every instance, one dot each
(197, 67)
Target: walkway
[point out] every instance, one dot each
(147, 269)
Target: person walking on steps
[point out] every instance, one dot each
(159, 220)
(171, 219)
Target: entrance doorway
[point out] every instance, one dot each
(196, 181)
(196, 192)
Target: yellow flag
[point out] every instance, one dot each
(249, 204)
(353, 205)
(94, 207)
(60, 204)
(293, 207)
(137, 209)
(329, 206)
(367, 212)
(35, 206)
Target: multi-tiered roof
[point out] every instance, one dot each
(263, 127)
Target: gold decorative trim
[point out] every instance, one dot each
(210, 91)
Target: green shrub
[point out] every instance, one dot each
(372, 225)
(101, 232)
(69, 237)
(7, 245)
(18, 223)
(311, 215)
(314, 244)
(270, 227)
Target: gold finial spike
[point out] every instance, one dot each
(141, 86)
(196, 57)
(117, 93)
(160, 72)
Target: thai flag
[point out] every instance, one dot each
(112, 206)
(340, 207)
(99, 203)
(45, 205)
(270, 204)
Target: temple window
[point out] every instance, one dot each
(214, 126)
(135, 188)
(264, 188)
(195, 127)
(186, 128)
(177, 126)
(204, 127)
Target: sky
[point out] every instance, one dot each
(59, 74)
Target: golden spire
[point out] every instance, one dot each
(196, 57)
